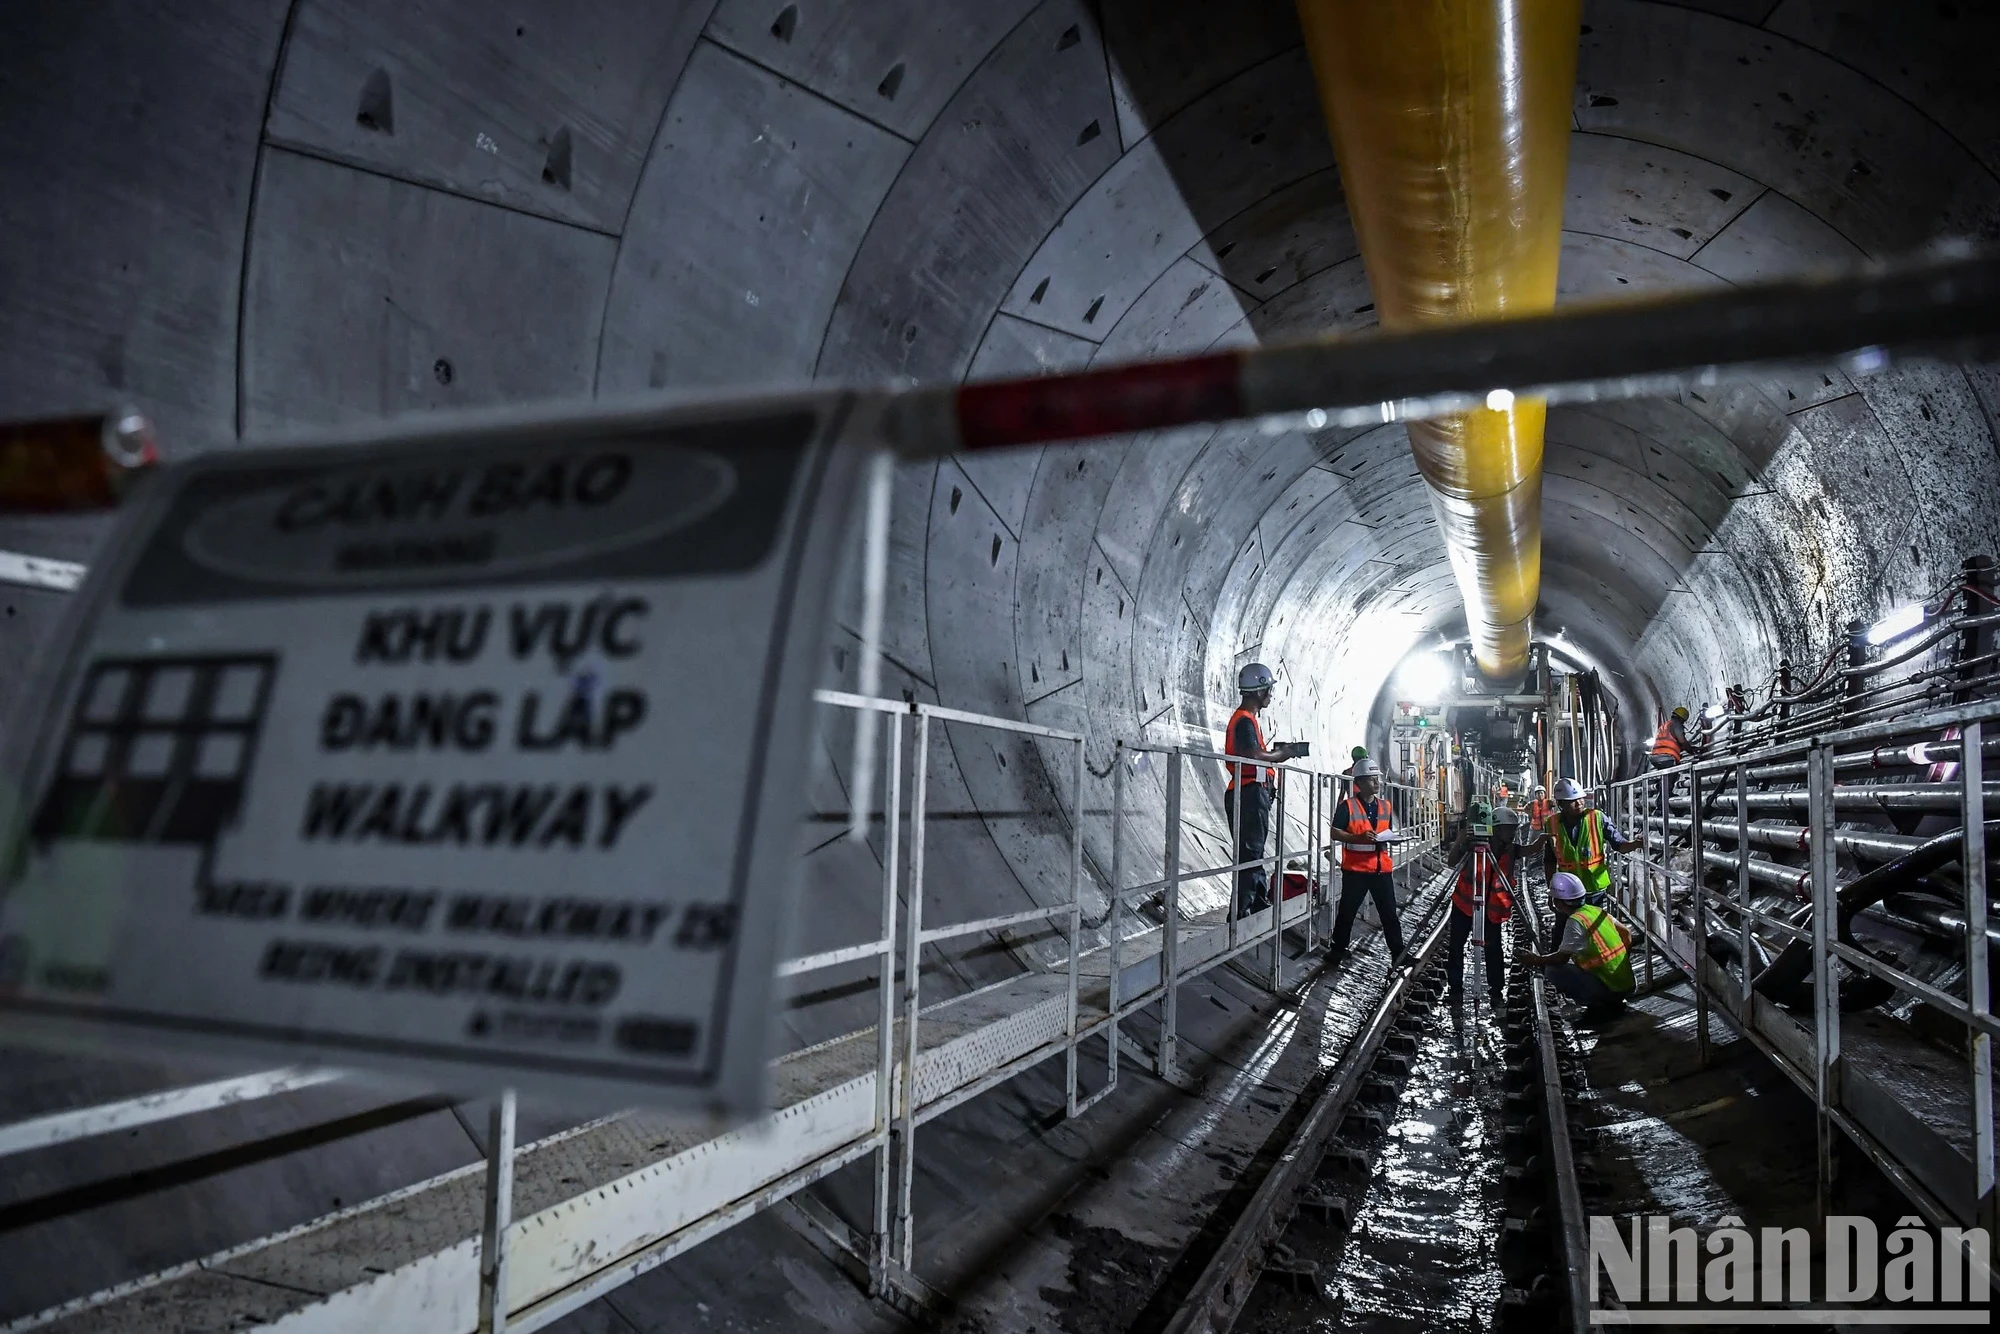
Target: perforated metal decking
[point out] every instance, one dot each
(599, 1204)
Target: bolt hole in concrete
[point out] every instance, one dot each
(442, 370)
(377, 112)
(556, 166)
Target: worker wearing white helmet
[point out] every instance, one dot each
(1247, 799)
(1540, 808)
(1577, 838)
(1364, 826)
(1590, 964)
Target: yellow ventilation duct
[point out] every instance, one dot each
(1451, 122)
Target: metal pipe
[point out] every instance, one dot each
(885, 1000)
(1978, 982)
(1853, 797)
(1170, 927)
(1921, 755)
(1825, 995)
(1935, 917)
(905, 1241)
(1745, 941)
(499, 1214)
(1792, 879)
(1451, 123)
(1797, 838)
(1573, 696)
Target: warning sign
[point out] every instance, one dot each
(473, 756)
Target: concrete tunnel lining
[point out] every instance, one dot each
(1049, 186)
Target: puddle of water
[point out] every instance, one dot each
(1420, 1256)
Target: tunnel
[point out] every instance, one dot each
(252, 219)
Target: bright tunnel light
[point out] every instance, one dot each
(1424, 678)
(1897, 622)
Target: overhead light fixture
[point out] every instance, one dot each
(1424, 678)
(1316, 419)
(1900, 621)
(1499, 399)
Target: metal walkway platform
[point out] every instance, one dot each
(1903, 1102)
(1925, 1117)
(597, 1205)
(594, 1206)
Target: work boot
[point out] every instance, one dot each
(1602, 1015)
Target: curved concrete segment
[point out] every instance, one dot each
(244, 215)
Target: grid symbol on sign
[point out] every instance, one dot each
(158, 750)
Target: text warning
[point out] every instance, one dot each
(427, 757)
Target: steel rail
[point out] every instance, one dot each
(1572, 1250)
(1224, 1286)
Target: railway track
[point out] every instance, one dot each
(1541, 1244)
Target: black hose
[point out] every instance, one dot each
(1788, 980)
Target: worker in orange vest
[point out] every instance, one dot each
(1540, 808)
(1670, 747)
(1480, 877)
(1364, 825)
(1247, 799)
(1670, 743)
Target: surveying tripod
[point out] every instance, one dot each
(1486, 868)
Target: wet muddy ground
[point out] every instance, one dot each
(1655, 1132)
(1414, 1250)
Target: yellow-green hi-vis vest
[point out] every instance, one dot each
(1603, 952)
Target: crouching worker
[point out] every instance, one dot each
(1590, 963)
(1484, 870)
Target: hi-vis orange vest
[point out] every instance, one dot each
(1666, 744)
(1499, 903)
(1248, 773)
(1380, 819)
(1540, 811)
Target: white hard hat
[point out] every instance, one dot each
(1564, 886)
(1569, 790)
(1540, 790)
(1255, 676)
(1367, 769)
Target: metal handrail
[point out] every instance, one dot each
(943, 714)
(930, 935)
(1974, 1010)
(77, 1123)
(1956, 716)
(812, 963)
